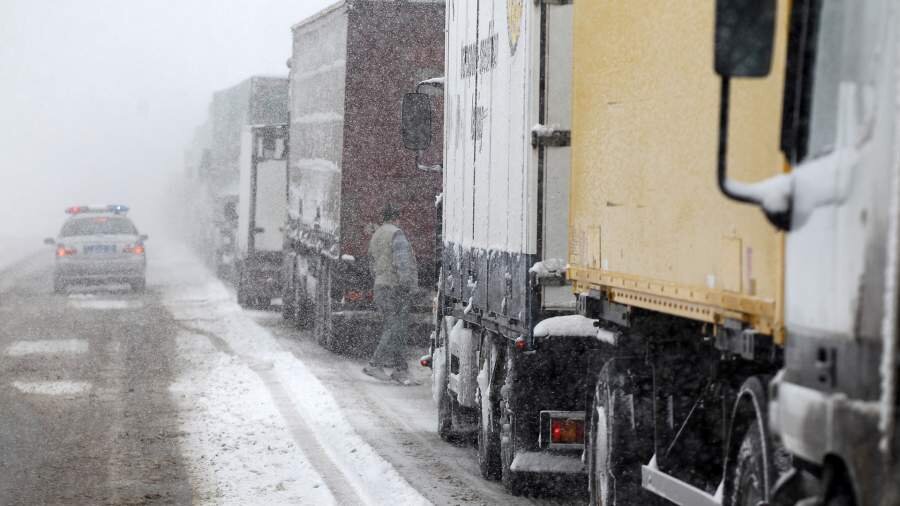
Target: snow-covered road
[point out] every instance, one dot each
(261, 427)
(272, 418)
(178, 396)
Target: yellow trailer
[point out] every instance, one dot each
(648, 226)
(747, 357)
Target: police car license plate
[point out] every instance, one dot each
(99, 249)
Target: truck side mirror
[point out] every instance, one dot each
(416, 121)
(745, 32)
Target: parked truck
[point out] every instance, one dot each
(505, 213)
(258, 100)
(349, 69)
(262, 206)
(746, 358)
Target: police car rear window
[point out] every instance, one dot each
(98, 225)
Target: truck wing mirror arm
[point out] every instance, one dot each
(774, 195)
(427, 168)
(744, 44)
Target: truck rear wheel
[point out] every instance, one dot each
(488, 413)
(288, 305)
(322, 324)
(620, 436)
(749, 470)
(515, 483)
(440, 378)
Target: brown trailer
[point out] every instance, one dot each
(350, 67)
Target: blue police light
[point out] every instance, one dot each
(117, 208)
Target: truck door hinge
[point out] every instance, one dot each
(550, 136)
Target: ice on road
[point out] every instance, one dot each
(260, 427)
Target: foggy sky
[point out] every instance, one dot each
(99, 98)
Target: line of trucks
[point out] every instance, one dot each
(662, 265)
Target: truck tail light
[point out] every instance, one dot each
(566, 431)
(425, 361)
(62, 251)
(357, 296)
(521, 343)
(561, 430)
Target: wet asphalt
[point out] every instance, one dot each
(85, 412)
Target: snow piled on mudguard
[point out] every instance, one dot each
(573, 326)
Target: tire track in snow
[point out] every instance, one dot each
(431, 458)
(300, 431)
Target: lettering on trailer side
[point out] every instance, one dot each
(480, 57)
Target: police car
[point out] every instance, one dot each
(99, 245)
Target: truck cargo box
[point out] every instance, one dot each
(649, 226)
(350, 67)
(259, 100)
(506, 176)
(262, 203)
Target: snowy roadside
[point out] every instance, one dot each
(261, 428)
(19, 256)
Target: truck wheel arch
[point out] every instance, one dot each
(751, 405)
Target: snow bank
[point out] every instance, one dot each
(270, 375)
(238, 447)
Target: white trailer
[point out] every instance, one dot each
(505, 221)
(262, 213)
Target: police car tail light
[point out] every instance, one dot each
(137, 249)
(62, 251)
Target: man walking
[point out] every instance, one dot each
(396, 278)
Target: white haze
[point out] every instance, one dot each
(99, 98)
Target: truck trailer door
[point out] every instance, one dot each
(554, 152)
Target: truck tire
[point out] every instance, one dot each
(515, 483)
(754, 463)
(444, 399)
(488, 436)
(749, 470)
(288, 306)
(322, 324)
(618, 444)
